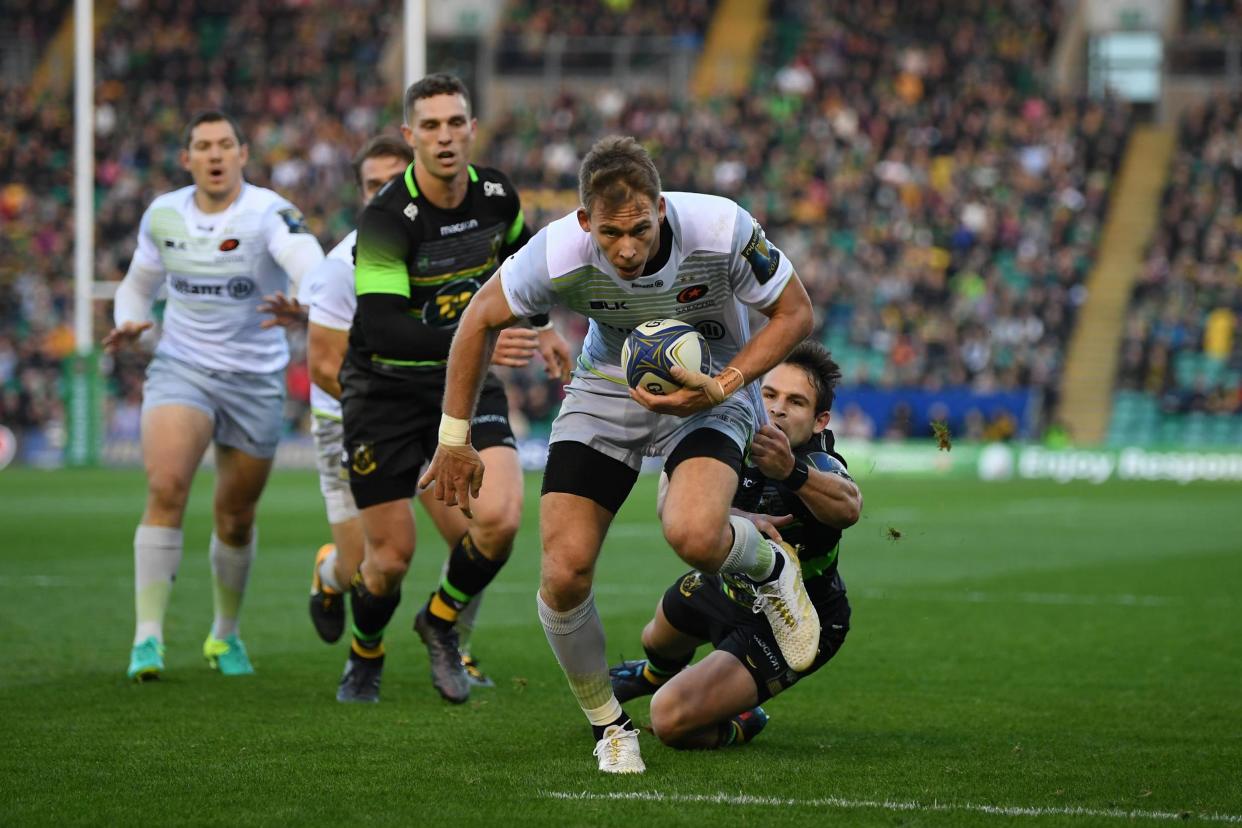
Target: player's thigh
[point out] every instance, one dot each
(701, 483)
(390, 533)
(174, 439)
(572, 530)
(661, 636)
(240, 478)
(333, 480)
(708, 692)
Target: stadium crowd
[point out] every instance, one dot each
(1181, 342)
(942, 210)
(528, 27)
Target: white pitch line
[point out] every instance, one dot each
(893, 805)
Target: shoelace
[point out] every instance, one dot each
(777, 603)
(613, 745)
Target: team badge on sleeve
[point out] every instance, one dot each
(294, 220)
(763, 258)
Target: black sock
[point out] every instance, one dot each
(622, 720)
(469, 573)
(371, 615)
(663, 667)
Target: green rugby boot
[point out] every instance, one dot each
(146, 660)
(228, 656)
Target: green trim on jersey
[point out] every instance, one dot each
(409, 181)
(410, 363)
(567, 280)
(380, 271)
(445, 278)
(816, 566)
(515, 229)
(585, 362)
(319, 412)
(413, 188)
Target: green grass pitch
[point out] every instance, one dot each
(1024, 653)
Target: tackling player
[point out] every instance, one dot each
(218, 376)
(630, 254)
(799, 476)
(328, 293)
(426, 244)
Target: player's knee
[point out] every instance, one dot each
(670, 716)
(388, 566)
(566, 586)
(234, 527)
(167, 492)
(697, 546)
(494, 537)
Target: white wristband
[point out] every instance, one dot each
(454, 431)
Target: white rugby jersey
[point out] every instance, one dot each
(218, 267)
(328, 290)
(720, 263)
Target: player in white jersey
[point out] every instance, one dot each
(328, 294)
(631, 254)
(221, 247)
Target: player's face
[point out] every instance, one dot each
(441, 134)
(789, 398)
(378, 171)
(627, 233)
(215, 160)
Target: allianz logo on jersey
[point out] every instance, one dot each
(238, 287)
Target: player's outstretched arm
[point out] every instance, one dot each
(456, 469)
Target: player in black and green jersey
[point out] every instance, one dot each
(799, 483)
(426, 243)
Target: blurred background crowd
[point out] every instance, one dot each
(941, 202)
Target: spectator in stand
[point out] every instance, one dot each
(1180, 341)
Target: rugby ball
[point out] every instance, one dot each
(653, 348)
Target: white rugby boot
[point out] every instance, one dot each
(618, 751)
(789, 611)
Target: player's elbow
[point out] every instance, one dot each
(843, 511)
(802, 318)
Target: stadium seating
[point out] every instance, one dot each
(1180, 379)
(942, 209)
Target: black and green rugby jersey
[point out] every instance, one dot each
(818, 544)
(432, 261)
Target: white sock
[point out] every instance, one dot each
(327, 572)
(577, 639)
(157, 555)
(230, 568)
(750, 554)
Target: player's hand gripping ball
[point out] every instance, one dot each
(653, 348)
